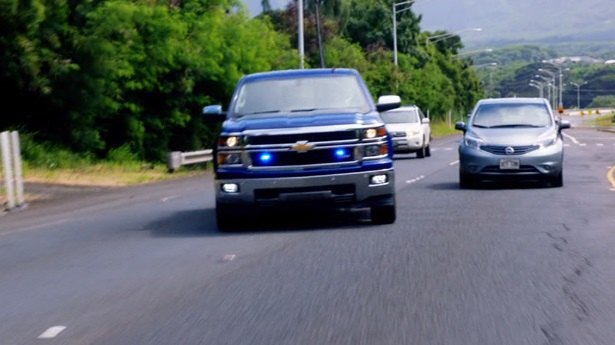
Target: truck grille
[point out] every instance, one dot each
(309, 137)
(293, 158)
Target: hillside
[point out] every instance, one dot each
(506, 22)
(522, 21)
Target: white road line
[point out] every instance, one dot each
(453, 163)
(34, 227)
(448, 149)
(415, 179)
(52, 332)
(599, 144)
(574, 140)
(582, 144)
(566, 145)
(229, 257)
(167, 198)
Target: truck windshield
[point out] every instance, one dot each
(297, 95)
(400, 116)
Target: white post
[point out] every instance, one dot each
(18, 172)
(394, 34)
(300, 24)
(8, 169)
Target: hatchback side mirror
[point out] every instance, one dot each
(460, 125)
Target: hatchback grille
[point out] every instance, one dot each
(501, 150)
(522, 169)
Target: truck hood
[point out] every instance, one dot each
(298, 120)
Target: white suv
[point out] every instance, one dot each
(409, 129)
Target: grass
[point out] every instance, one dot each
(45, 163)
(607, 120)
(442, 129)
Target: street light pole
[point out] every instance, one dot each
(560, 75)
(300, 24)
(578, 93)
(395, 11)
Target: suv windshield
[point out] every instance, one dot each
(304, 94)
(404, 116)
(511, 115)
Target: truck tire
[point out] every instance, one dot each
(383, 214)
(225, 220)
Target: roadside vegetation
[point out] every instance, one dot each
(125, 80)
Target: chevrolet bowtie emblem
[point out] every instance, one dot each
(302, 146)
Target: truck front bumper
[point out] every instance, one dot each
(356, 189)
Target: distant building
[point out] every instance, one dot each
(575, 59)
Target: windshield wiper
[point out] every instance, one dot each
(516, 126)
(261, 112)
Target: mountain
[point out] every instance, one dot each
(521, 21)
(507, 22)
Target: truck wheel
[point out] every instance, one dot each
(225, 220)
(384, 214)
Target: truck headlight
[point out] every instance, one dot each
(229, 158)
(229, 141)
(372, 133)
(376, 150)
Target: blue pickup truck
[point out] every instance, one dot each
(303, 138)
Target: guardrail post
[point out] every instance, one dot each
(17, 169)
(174, 160)
(8, 169)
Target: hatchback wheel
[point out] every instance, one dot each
(557, 181)
(466, 181)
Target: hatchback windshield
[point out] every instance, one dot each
(305, 94)
(511, 115)
(405, 116)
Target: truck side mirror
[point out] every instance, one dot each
(214, 113)
(388, 102)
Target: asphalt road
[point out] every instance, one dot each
(503, 264)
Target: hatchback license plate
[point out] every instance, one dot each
(509, 164)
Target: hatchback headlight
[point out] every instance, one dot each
(546, 141)
(473, 142)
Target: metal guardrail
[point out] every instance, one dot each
(176, 159)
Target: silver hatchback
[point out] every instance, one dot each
(511, 138)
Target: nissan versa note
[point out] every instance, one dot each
(511, 138)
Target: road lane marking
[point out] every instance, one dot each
(229, 257)
(52, 332)
(453, 163)
(582, 144)
(448, 149)
(415, 179)
(611, 177)
(599, 144)
(574, 140)
(167, 198)
(35, 227)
